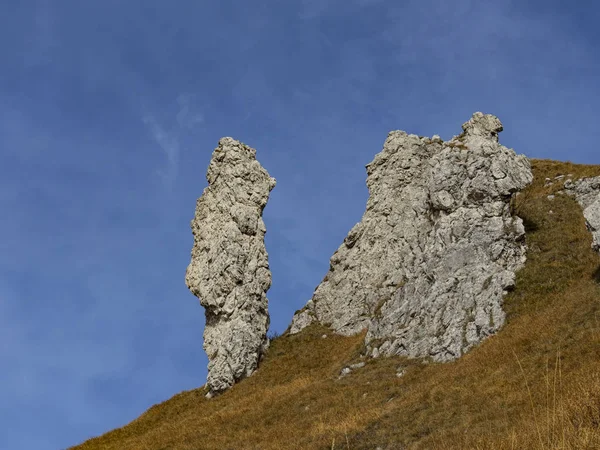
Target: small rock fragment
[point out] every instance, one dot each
(345, 371)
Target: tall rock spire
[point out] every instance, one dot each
(229, 268)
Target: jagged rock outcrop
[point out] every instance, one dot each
(587, 193)
(229, 268)
(426, 269)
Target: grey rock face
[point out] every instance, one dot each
(229, 269)
(587, 193)
(426, 269)
(302, 318)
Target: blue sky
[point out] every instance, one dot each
(109, 114)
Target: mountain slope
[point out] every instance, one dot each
(536, 384)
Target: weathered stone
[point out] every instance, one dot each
(229, 269)
(345, 371)
(587, 193)
(302, 318)
(426, 269)
(592, 217)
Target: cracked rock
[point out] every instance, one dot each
(229, 269)
(426, 269)
(587, 193)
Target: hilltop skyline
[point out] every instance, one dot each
(110, 115)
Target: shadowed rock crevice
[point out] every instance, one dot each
(229, 269)
(426, 269)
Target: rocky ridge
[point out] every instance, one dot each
(426, 269)
(229, 269)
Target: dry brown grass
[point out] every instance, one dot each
(535, 385)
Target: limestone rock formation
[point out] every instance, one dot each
(229, 269)
(587, 193)
(426, 269)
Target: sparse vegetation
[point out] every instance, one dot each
(379, 305)
(534, 385)
(457, 144)
(272, 335)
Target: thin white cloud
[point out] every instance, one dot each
(185, 118)
(169, 141)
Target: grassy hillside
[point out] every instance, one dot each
(534, 385)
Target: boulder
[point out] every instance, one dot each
(587, 193)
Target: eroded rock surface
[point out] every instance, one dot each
(587, 193)
(229, 269)
(426, 269)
